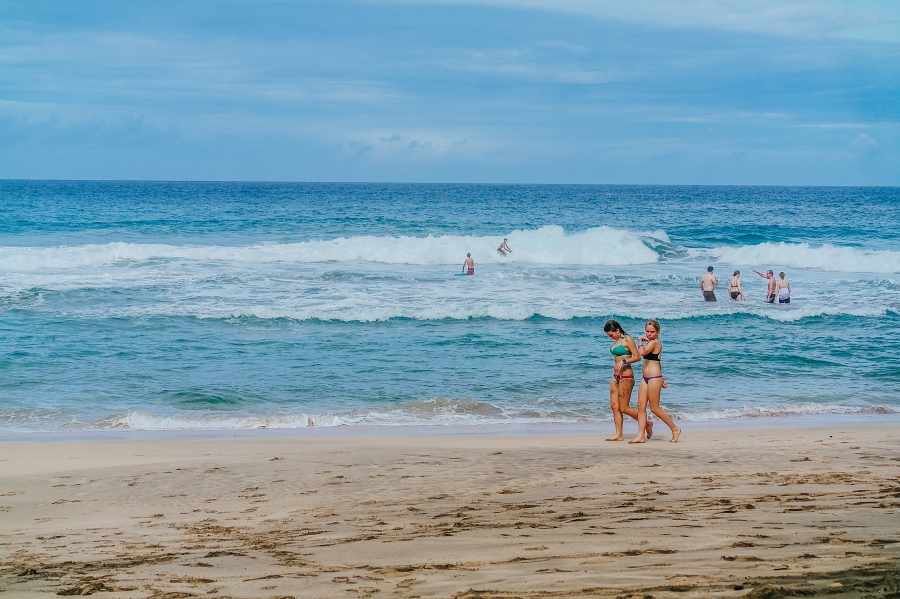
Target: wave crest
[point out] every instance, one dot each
(600, 246)
(802, 255)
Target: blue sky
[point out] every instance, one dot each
(562, 91)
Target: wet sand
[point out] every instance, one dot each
(724, 513)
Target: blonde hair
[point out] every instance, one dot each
(654, 324)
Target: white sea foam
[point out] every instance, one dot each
(547, 245)
(802, 255)
(553, 306)
(775, 411)
(150, 422)
(441, 411)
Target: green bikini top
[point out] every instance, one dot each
(619, 350)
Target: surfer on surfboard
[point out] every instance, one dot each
(468, 265)
(504, 249)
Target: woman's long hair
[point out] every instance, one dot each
(613, 325)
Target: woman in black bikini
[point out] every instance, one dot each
(624, 351)
(734, 288)
(652, 382)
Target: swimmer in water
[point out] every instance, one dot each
(469, 265)
(623, 350)
(734, 288)
(652, 383)
(708, 285)
(783, 287)
(770, 287)
(504, 249)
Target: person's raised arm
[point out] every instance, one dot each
(761, 274)
(645, 347)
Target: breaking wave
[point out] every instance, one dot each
(548, 245)
(802, 255)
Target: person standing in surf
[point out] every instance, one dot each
(652, 383)
(734, 288)
(770, 289)
(468, 265)
(784, 289)
(708, 285)
(624, 352)
(504, 249)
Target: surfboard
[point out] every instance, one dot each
(460, 274)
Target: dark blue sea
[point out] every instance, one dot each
(150, 306)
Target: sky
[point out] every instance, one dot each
(493, 91)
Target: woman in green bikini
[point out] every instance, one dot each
(624, 351)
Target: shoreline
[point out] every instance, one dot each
(444, 430)
(813, 510)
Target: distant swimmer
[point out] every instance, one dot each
(708, 285)
(770, 289)
(734, 288)
(784, 289)
(504, 249)
(469, 265)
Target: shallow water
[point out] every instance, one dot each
(227, 306)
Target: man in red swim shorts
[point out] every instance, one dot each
(469, 265)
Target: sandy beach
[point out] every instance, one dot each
(725, 513)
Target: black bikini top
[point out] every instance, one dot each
(652, 357)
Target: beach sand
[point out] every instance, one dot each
(724, 513)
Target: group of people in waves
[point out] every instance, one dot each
(626, 352)
(779, 288)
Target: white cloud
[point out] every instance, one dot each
(867, 19)
(865, 143)
(420, 145)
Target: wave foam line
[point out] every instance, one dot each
(801, 255)
(442, 411)
(601, 246)
(482, 310)
(143, 421)
(807, 409)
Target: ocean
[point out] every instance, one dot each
(229, 306)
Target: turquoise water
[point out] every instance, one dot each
(154, 306)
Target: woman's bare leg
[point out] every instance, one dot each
(626, 387)
(642, 413)
(617, 414)
(660, 413)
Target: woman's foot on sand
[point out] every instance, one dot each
(616, 438)
(675, 434)
(649, 429)
(637, 441)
